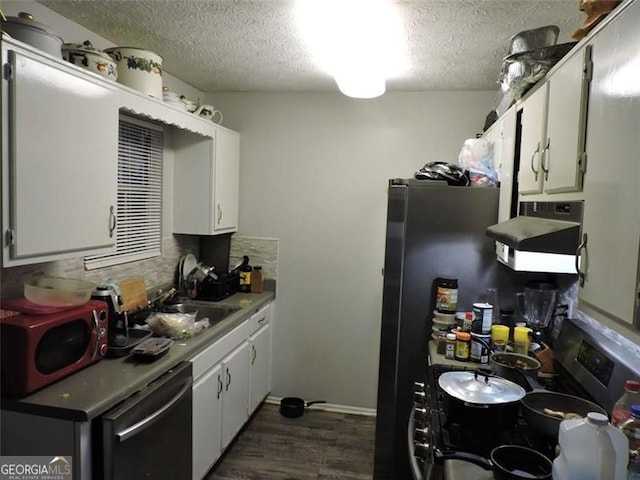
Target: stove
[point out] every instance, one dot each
(587, 366)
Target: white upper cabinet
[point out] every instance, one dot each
(59, 159)
(227, 180)
(610, 269)
(206, 182)
(554, 119)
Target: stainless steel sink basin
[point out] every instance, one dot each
(215, 313)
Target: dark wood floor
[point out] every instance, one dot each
(317, 446)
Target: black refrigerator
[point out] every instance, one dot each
(433, 230)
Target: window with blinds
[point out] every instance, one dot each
(139, 208)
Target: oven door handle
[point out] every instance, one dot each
(146, 422)
(415, 468)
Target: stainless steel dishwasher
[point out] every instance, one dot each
(148, 436)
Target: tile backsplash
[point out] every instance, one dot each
(156, 271)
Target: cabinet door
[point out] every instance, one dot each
(62, 165)
(533, 121)
(207, 421)
(235, 377)
(260, 369)
(611, 287)
(564, 150)
(227, 177)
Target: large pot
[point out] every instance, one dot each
(139, 69)
(38, 35)
(481, 399)
(86, 56)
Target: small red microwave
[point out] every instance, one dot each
(40, 349)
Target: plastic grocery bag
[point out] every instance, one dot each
(476, 157)
(178, 326)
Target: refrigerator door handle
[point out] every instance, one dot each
(149, 420)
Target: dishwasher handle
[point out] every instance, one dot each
(146, 422)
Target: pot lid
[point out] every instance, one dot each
(480, 388)
(26, 19)
(86, 47)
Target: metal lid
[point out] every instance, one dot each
(27, 20)
(479, 388)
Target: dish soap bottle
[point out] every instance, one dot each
(245, 275)
(591, 449)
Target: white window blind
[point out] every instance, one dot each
(139, 208)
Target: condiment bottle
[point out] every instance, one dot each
(631, 428)
(447, 295)
(257, 281)
(245, 275)
(622, 408)
(463, 346)
(450, 348)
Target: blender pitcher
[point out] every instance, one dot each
(536, 304)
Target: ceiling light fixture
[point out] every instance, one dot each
(358, 42)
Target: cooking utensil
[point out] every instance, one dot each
(535, 38)
(512, 366)
(535, 402)
(293, 407)
(58, 291)
(133, 294)
(481, 399)
(86, 56)
(26, 29)
(509, 462)
(139, 69)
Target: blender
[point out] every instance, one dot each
(536, 304)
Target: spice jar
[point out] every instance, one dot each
(463, 346)
(450, 348)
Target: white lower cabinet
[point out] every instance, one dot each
(260, 369)
(231, 377)
(236, 392)
(207, 421)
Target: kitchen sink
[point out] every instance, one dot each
(215, 313)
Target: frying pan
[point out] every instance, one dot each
(509, 462)
(534, 403)
(293, 407)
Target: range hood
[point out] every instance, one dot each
(543, 238)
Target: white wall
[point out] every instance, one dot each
(313, 173)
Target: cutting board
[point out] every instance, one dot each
(134, 294)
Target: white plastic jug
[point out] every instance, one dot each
(591, 449)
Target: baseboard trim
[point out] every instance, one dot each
(331, 407)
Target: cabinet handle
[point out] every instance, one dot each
(536, 151)
(219, 214)
(255, 354)
(112, 221)
(228, 380)
(219, 386)
(543, 161)
(583, 246)
(261, 321)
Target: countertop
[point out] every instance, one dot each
(99, 387)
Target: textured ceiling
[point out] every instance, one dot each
(253, 45)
